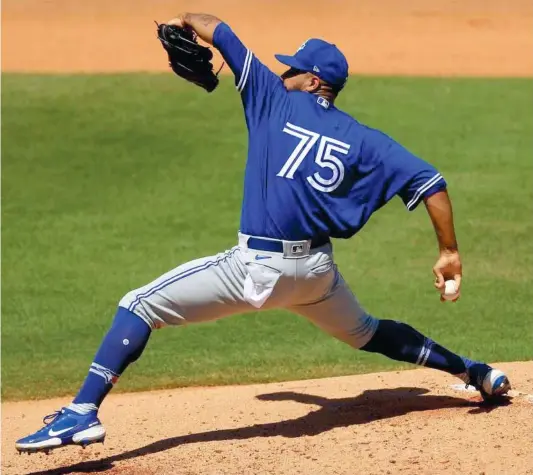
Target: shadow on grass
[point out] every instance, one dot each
(371, 405)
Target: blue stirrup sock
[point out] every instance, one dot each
(122, 345)
(402, 342)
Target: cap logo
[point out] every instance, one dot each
(304, 44)
(316, 69)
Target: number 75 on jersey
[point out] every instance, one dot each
(324, 158)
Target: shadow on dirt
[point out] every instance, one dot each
(369, 406)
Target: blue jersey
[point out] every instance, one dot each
(312, 170)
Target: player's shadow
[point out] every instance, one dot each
(371, 405)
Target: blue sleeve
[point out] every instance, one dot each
(258, 86)
(403, 173)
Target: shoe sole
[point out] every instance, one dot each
(85, 437)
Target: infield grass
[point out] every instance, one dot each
(109, 181)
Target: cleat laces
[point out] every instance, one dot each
(51, 417)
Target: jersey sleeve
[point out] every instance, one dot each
(403, 173)
(258, 86)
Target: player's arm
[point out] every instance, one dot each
(217, 33)
(416, 181)
(448, 266)
(439, 208)
(423, 183)
(233, 51)
(259, 87)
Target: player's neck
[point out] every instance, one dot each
(325, 91)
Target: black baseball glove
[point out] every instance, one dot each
(186, 57)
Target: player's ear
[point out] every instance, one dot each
(312, 84)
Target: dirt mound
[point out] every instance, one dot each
(384, 423)
(411, 37)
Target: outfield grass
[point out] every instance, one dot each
(109, 181)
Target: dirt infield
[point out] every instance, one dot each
(411, 37)
(409, 422)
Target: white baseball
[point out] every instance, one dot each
(450, 290)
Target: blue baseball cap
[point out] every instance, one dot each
(321, 58)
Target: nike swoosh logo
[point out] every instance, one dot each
(53, 433)
(259, 258)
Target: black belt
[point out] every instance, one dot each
(260, 244)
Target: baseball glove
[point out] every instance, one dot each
(186, 57)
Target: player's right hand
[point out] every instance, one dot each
(448, 267)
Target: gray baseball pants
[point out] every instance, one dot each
(302, 280)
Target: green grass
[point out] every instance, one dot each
(110, 181)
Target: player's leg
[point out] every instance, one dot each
(338, 312)
(78, 423)
(200, 290)
(333, 307)
(401, 342)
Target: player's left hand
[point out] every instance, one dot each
(188, 59)
(448, 267)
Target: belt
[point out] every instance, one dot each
(293, 247)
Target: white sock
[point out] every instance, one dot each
(83, 409)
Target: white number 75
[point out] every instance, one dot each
(324, 157)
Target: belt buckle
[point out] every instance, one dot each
(296, 248)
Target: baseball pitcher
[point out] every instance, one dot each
(313, 173)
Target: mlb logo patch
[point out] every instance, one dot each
(297, 248)
(323, 102)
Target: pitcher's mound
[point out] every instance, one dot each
(408, 422)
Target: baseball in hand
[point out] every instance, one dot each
(450, 290)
